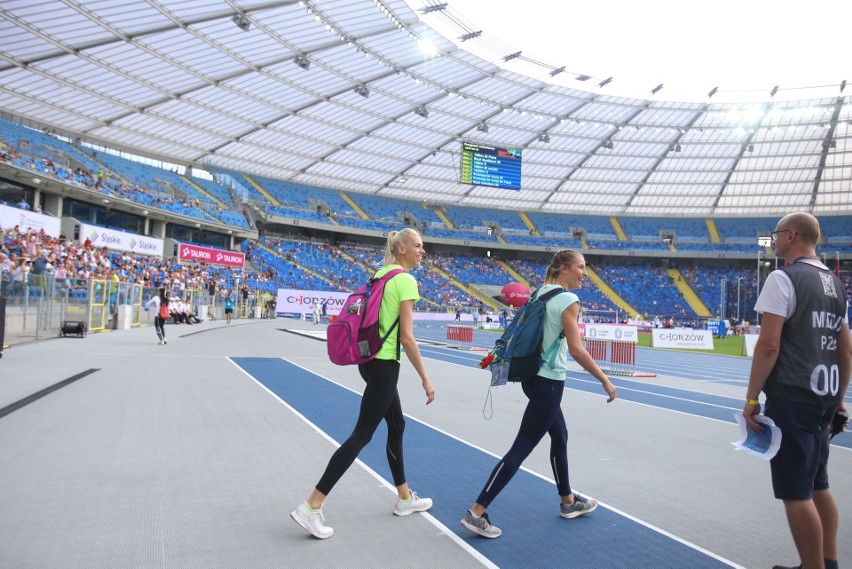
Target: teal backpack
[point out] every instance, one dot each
(518, 354)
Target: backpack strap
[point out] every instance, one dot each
(384, 280)
(550, 294)
(549, 356)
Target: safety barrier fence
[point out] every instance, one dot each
(460, 337)
(617, 358)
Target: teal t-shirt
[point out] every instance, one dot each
(399, 288)
(552, 328)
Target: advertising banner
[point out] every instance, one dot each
(718, 327)
(302, 301)
(613, 332)
(188, 252)
(682, 338)
(26, 220)
(749, 340)
(120, 240)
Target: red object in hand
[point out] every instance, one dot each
(486, 361)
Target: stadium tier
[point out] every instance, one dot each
(221, 203)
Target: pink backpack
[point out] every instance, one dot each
(353, 338)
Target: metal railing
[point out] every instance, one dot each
(37, 307)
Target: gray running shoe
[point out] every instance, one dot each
(482, 525)
(581, 506)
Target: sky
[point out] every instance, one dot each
(743, 47)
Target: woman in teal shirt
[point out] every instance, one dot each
(543, 414)
(381, 398)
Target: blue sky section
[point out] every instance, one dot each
(452, 474)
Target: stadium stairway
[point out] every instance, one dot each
(262, 191)
(487, 292)
(688, 294)
(446, 276)
(355, 261)
(443, 217)
(303, 267)
(713, 231)
(105, 172)
(515, 274)
(354, 206)
(609, 293)
(204, 192)
(529, 223)
(622, 236)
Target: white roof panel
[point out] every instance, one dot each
(178, 80)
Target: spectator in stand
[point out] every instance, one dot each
(5, 267)
(20, 278)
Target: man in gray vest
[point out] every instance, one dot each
(802, 362)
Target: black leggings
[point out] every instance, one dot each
(543, 415)
(159, 327)
(380, 401)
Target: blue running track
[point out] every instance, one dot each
(451, 472)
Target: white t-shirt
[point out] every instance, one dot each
(778, 295)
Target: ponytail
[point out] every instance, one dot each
(563, 257)
(395, 239)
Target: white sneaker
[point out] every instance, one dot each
(314, 522)
(414, 504)
(165, 341)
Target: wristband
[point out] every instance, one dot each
(752, 402)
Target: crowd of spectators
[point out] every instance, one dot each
(36, 263)
(38, 157)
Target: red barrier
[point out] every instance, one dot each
(617, 358)
(457, 336)
(596, 349)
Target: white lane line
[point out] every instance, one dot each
(444, 529)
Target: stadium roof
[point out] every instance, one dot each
(363, 95)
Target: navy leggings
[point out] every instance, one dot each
(380, 401)
(543, 415)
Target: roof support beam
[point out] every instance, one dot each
(827, 142)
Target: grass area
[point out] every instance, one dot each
(729, 346)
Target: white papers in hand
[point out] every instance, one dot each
(763, 445)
